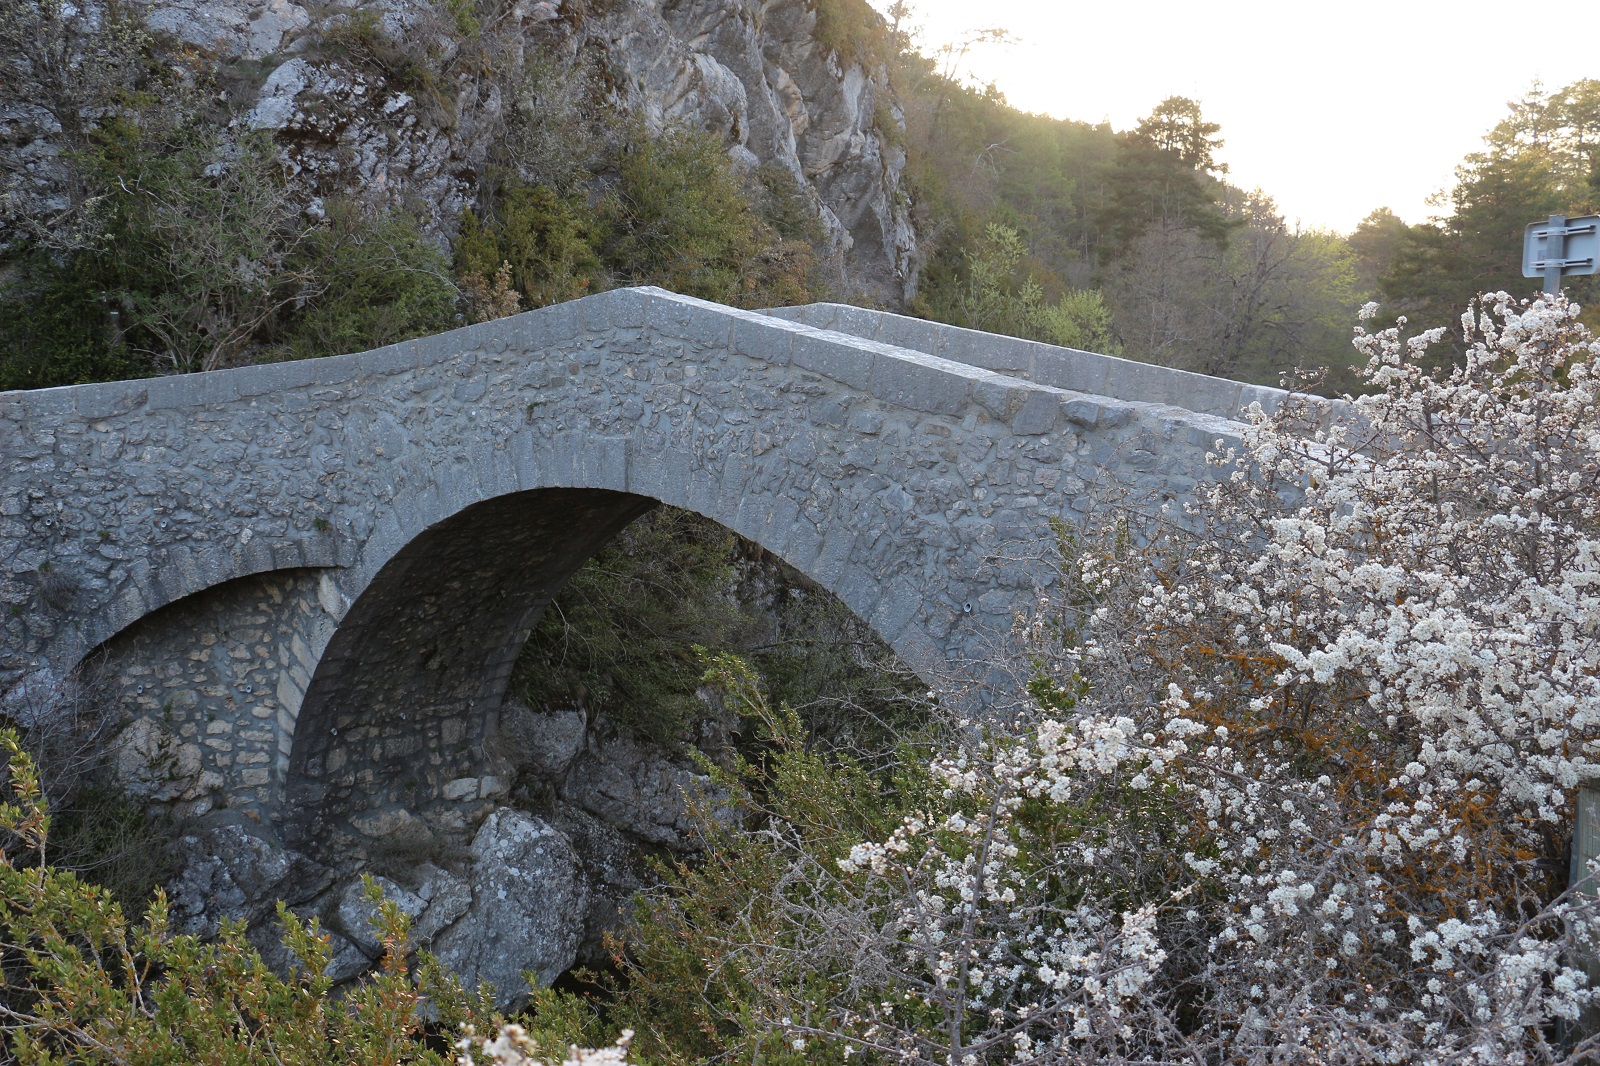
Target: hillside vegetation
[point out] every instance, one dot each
(173, 242)
(1134, 242)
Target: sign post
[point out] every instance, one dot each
(1586, 846)
(1561, 247)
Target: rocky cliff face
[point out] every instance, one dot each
(753, 71)
(406, 100)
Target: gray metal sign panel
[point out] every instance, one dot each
(1561, 247)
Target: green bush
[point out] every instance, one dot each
(620, 638)
(548, 238)
(198, 258)
(80, 983)
(720, 950)
(997, 294)
(357, 35)
(187, 241)
(377, 280)
(58, 328)
(784, 204)
(681, 218)
(110, 837)
(852, 30)
(626, 636)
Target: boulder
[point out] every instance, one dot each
(345, 961)
(635, 787)
(153, 764)
(529, 898)
(356, 914)
(545, 742)
(616, 867)
(229, 29)
(447, 897)
(232, 870)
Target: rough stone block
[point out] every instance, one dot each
(1037, 414)
(896, 609)
(998, 395)
(704, 326)
(758, 337)
(832, 560)
(48, 405)
(107, 400)
(596, 313)
(912, 333)
(338, 369)
(1067, 368)
(544, 329)
(391, 359)
(857, 321)
(462, 788)
(629, 308)
(986, 350)
(817, 316)
(802, 544)
(918, 651)
(603, 464)
(276, 377)
(191, 390)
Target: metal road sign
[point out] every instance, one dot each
(1560, 247)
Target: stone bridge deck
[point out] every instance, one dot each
(312, 578)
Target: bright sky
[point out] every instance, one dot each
(1332, 108)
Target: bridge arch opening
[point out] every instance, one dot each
(400, 746)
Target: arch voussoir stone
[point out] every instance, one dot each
(370, 537)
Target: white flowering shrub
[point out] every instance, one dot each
(1292, 784)
(513, 1046)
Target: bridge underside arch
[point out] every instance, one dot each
(389, 745)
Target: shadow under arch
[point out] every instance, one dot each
(391, 730)
(389, 748)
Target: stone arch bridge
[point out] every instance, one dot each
(313, 578)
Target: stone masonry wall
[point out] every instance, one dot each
(202, 679)
(915, 488)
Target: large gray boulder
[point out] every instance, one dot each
(233, 870)
(358, 916)
(346, 960)
(544, 742)
(529, 898)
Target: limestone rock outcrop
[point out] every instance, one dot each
(754, 71)
(403, 101)
(229, 869)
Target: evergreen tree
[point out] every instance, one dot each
(1541, 159)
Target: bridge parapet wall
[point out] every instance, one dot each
(1048, 364)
